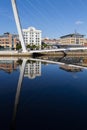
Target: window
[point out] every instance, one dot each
(7, 42)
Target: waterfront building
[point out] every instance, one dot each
(32, 36)
(72, 39)
(85, 42)
(9, 41)
(50, 41)
(33, 69)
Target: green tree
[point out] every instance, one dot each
(44, 45)
(33, 47)
(18, 46)
(28, 46)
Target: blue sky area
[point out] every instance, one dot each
(54, 17)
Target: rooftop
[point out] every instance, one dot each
(5, 35)
(73, 35)
(31, 29)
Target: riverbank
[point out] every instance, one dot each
(30, 54)
(14, 54)
(68, 53)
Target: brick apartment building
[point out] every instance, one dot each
(9, 41)
(50, 41)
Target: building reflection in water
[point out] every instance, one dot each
(8, 65)
(70, 68)
(30, 69)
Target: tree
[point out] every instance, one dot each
(19, 62)
(33, 47)
(44, 45)
(28, 46)
(18, 46)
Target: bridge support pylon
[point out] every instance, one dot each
(18, 24)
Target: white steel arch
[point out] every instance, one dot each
(18, 24)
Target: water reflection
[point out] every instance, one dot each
(31, 68)
(70, 68)
(22, 70)
(8, 65)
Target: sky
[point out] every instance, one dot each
(54, 17)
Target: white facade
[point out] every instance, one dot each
(32, 36)
(33, 69)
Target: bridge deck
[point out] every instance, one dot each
(57, 50)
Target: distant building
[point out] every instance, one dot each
(85, 42)
(33, 69)
(74, 38)
(9, 41)
(32, 36)
(50, 41)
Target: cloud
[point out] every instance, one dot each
(79, 22)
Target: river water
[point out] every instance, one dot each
(43, 94)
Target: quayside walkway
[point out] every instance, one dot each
(65, 50)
